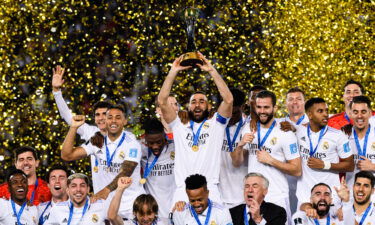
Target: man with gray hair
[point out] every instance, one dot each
(256, 210)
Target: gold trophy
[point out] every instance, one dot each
(191, 57)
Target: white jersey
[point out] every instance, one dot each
(304, 119)
(204, 161)
(350, 215)
(95, 214)
(333, 146)
(160, 181)
(44, 210)
(300, 218)
(29, 215)
(231, 178)
(219, 216)
(129, 150)
(281, 146)
(370, 153)
(159, 221)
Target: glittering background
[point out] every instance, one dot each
(121, 51)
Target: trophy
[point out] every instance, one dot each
(191, 57)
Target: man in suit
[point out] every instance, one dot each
(256, 210)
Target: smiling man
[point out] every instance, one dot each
(26, 159)
(158, 165)
(200, 210)
(256, 210)
(321, 200)
(79, 209)
(17, 210)
(119, 156)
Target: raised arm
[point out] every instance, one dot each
(122, 184)
(225, 108)
(68, 151)
(168, 113)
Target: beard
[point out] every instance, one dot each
(321, 213)
(198, 119)
(269, 118)
(364, 201)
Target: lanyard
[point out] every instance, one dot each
(328, 220)
(360, 151)
(347, 118)
(231, 142)
(261, 142)
(364, 214)
(41, 219)
(300, 119)
(196, 135)
(321, 134)
(110, 158)
(18, 215)
(149, 168)
(208, 214)
(246, 220)
(71, 208)
(33, 194)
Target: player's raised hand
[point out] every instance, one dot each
(343, 192)
(207, 66)
(57, 78)
(124, 182)
(176, 65)
(247, 138)
(77, 121)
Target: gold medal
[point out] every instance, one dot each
(96, 169)
(142, 181)
(195, 148)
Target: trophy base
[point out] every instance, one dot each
(191, 59)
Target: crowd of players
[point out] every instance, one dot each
(204, 167)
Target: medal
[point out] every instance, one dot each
(195, 148)
(143, 181)
(96, 169)
(196, 135)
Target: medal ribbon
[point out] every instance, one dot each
(208, 213)
(231, 142)
(246, 220)
(110, 158)
(321, 134)
(347, 118)
(41, 219)
(149, 168)
(261, 142)
(196, 135)
(328, 220)
(18, 215)
(33, 194)
(71, 208)
(300, 119)
(360, 151)
(364, 214)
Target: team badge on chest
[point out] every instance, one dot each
(172, 155)
(122, 155)
(94, 218)
(95, 169)
(373, 146)
(274, 141)
(206, 125)
(325, 145)
(213, 222)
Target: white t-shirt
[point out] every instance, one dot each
(129, 150)
(95, 214)
(205, 161)
(219, 216)
(370, 153)
(333, 146)
(300, 218)
(231, 178)
(29, 215)
(44, 210)
(160, 181)
(282, 146)
(350, 215)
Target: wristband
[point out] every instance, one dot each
(327, 165)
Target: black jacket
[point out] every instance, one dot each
(273, 214)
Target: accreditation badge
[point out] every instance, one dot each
(94, 218)
(325, 145)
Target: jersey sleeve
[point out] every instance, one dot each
(178, 218)
(299, 218)
(244, 131)
(3, 203)
(89, 148)
(290, 146)
(347, 210)
(225, 218)
(221, 120)
(343, 146)
(176, 124)
(134, 152)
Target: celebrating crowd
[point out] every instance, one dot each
(203, 166)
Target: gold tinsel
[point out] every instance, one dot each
(122, 50)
